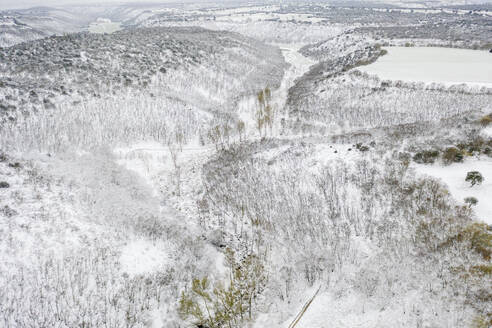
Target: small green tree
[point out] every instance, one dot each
(240, 126)
(452, 155)
(260, 113)
(215, 135)
(486, 120)
(471, 201)
(426, 156)
(226, 304)
(226, 132)
(268, 94)
(268, 118)
(191, 304)
(264, 114)
(480, 322)
(474, 177)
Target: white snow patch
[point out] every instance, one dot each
(143, 256)
(487, 132)
(454, 177)
(104, 25)
(326, 153)
(147, 159)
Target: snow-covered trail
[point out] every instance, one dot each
(298, 66)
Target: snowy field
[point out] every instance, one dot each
(432, 64)
(454, 177)
(104, 26)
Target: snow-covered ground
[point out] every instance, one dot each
(143, 256)
(104, 26)
(299, 66)
(454, 177)
(487, 132)
(433, 64)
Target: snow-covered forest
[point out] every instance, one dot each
(227, 165)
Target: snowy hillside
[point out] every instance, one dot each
(18, 26)
(232, 166)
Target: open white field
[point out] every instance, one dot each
(104, 26)
(433, 64)
(454, 177)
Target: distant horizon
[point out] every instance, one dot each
(28, 4)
